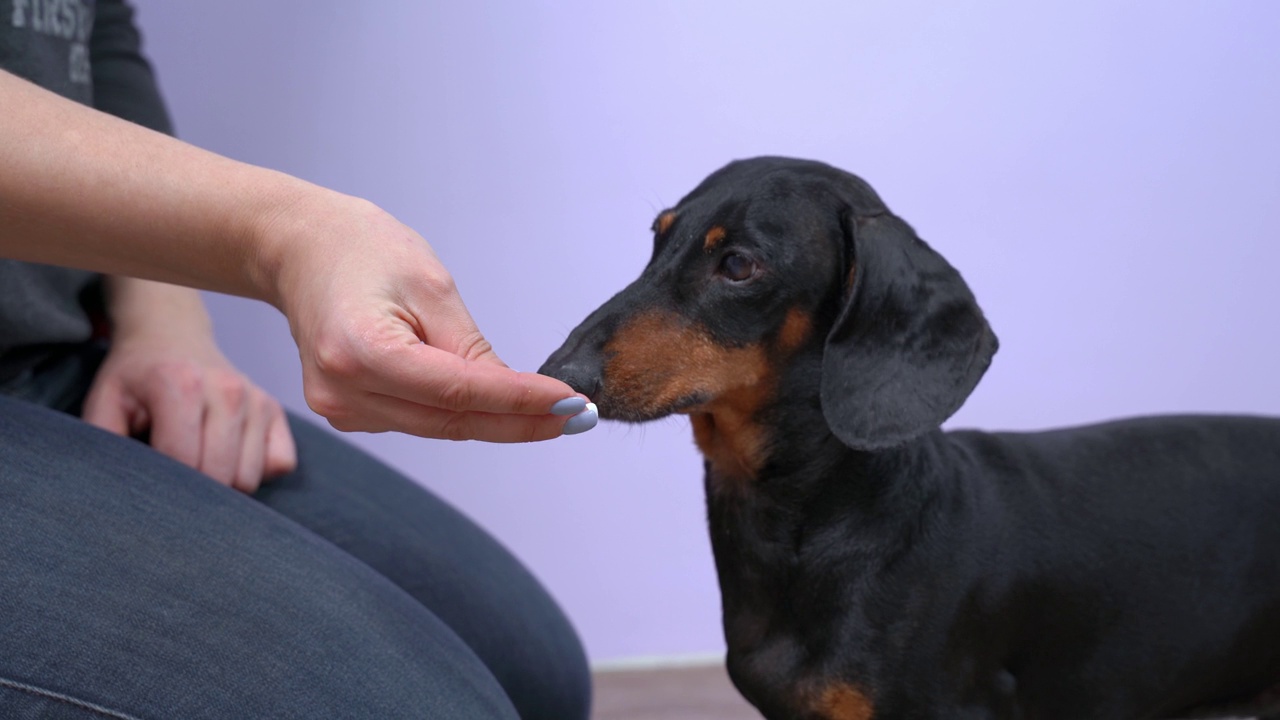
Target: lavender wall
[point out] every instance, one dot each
(1106, 175)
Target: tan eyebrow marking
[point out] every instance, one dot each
(714, 236)
(665, 220)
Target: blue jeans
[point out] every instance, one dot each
(132, 586)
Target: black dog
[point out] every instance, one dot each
(875, 567)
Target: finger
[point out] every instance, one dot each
(253, 443)
(381, 413)
(176, 404)
(222, 435)
(282, 452)
(105, 407)
(424, 375)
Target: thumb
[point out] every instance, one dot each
(452, 329)
(105, 407)
(486, 353)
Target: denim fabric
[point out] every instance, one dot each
(134, 587)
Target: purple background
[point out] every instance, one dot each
(1106, 175)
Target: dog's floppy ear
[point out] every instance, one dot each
(910, 342)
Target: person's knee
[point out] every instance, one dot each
(559, 688)
(444, 561)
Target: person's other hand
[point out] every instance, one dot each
(168, 378)
(385, 340)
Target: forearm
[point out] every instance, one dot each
(385, 341)
(143, 306)
(80, 188)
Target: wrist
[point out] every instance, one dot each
(270, 225)
(300, 232)
(286, 227)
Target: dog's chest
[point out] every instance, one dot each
(779, 621)
(775, 678)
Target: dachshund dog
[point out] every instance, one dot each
(874, 567)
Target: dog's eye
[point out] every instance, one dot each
(737, 267)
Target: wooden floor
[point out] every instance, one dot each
(689, 693)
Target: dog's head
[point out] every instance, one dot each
(769, 259)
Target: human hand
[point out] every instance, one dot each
(385, 339)
(166, 375)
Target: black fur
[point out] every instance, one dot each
(1122, 571)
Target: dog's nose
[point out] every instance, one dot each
(581, 375)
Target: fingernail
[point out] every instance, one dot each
(569, 406)
(583, 421)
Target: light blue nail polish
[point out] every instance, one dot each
(569, 406)
(583, 421)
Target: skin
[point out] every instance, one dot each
(386, 343)
(165, 374)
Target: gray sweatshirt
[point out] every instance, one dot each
(89, 52)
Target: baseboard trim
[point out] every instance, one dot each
(658, 662)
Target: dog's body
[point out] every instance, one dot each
(875, 567)
(969, 575)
